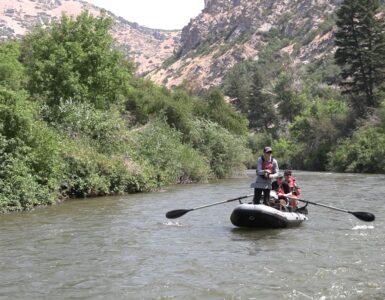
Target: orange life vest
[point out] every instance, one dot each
(280, 190)
(267, 165)
(294, 187)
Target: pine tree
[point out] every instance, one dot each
(360, 42)
(262, 116)
(244, 84)
(237, 86)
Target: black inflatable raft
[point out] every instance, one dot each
(263, 216)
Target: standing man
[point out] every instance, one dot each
(267, 170)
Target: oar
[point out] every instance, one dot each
(173, 214)
(364, 216)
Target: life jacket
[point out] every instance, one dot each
(295, 189)
(280, 189)
(266, 166)
(281, 192)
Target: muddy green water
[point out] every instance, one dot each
(125, 248)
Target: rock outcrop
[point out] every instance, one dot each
(225, 33)
(147, 47)
(229, 31)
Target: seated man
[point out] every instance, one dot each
(294, 188)
(283, 191)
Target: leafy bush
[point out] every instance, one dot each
(171, 160)
(146, 101)
(29, 155)
(225, 152)
(11, 70)
(179, 108)
(20, 188)
(105, 129)
(224, 114)
(20, 121)
(363, 153)
(316, 130)
(288, 153)
(89, 173)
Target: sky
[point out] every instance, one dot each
(156, 14)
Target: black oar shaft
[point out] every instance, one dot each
(216, 203)
(364, 216)
(173, 214)
(323, 205)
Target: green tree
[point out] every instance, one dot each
(170, 159)
(364, 152)
(315, 133)
(262, 116)
(237, 86)
(225, 153)
(11, 70)
(290, 103)
(75, 59)
(245, 86)
(30, 167)
(224, 114)
(360, 42)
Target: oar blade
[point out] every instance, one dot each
(364, 216)
(173, 214)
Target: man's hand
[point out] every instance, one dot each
(267, 173)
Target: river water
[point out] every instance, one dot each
(125, 248)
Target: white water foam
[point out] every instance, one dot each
(172, 223)
(363, 227)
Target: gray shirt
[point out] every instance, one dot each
(263, 182)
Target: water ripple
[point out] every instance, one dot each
(125, 248)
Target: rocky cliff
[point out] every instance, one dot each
(147, 47)
(229, 31)
(225, 33)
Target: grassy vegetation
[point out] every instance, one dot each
(76, 122)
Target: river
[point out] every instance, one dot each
(124, 247)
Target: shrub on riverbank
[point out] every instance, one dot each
(364, 151)
(170, 159)
(29, 154)
(76, 122)
(225, 153)
(87, 172)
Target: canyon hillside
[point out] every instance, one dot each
(147, 47)
(230, 31)
(293, 33)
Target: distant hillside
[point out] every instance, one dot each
(291, 34)
(147, 47)
(227, 32)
